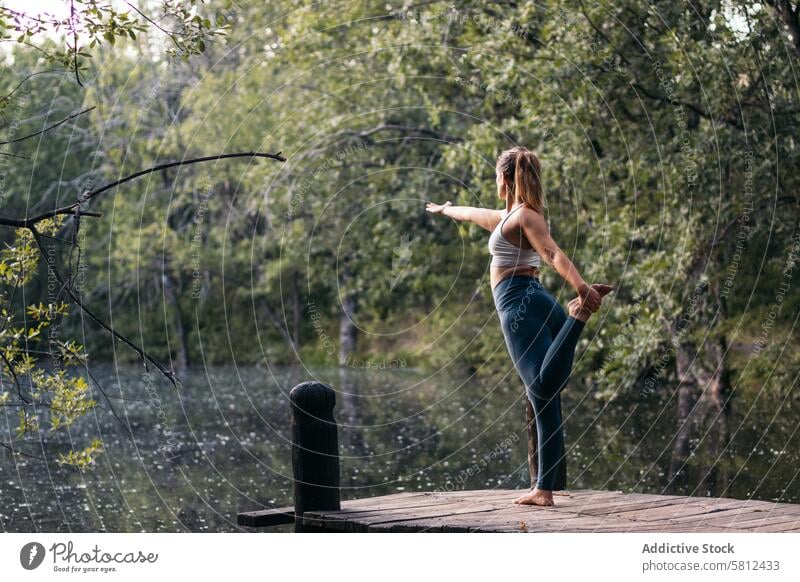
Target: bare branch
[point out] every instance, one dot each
(14, 377)
(14, 156)
(51, 21)
(71, 208)
(21, 83)
(74, 28)
(171, 34)
(158, 168)
(169, 374)
(16, 452)
(27, 223)
(55, 125)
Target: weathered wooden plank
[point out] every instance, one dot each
(777, 527)
(544, 521)
(408, 502)
(698, 513)
(421, 502)
(662, 513)
(266, 517)
(585, 525)
(385, 499)
(785, 521)
(358, 519)
(367, 515)
(479, 515)
(367, 520)
(443, 509)
(583, 511)
(536, 519)
(400, 499)
(691, 511)
(575, 524)
(736, 517)
(472, 521)
(517, 492)
(786, 512)
(523, 527)
(616, 506)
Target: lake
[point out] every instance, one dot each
(400, 430)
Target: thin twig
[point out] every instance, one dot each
(14, 377)
(169, 33)
(70, 209)
(103, 392)
(14, 156)
(74, 28)
(169, 374)
(16, 452)
(21, 83)
(33, 18)
(98, 191)
(55, 125)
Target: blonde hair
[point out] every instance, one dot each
(521, 168)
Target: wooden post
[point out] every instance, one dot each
(315, 450)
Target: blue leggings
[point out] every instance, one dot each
(541, 340)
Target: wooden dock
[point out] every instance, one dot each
(318, 508)
(583, 511)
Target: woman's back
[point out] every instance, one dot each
(512, 253)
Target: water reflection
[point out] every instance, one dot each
(400, 431)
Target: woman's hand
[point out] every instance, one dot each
(590, 297)
(437, 208)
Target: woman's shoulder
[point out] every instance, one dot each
(533, 220)
(527, 213)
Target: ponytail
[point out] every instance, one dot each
(521, 168)
(527, 183)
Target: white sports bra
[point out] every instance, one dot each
(506, 254)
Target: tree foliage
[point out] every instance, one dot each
(668, 136)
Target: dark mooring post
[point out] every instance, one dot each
(315, 450)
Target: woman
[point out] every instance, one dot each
(540, 337)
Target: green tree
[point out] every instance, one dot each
(32, 244)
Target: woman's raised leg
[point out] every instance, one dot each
(558, 360)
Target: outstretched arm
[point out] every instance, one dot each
(483, 217)
(536, 231)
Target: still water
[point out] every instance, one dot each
(227, 430)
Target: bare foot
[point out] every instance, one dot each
(536, 497)
(562, 492)
(577, 310)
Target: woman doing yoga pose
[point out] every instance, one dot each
(541, 338)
